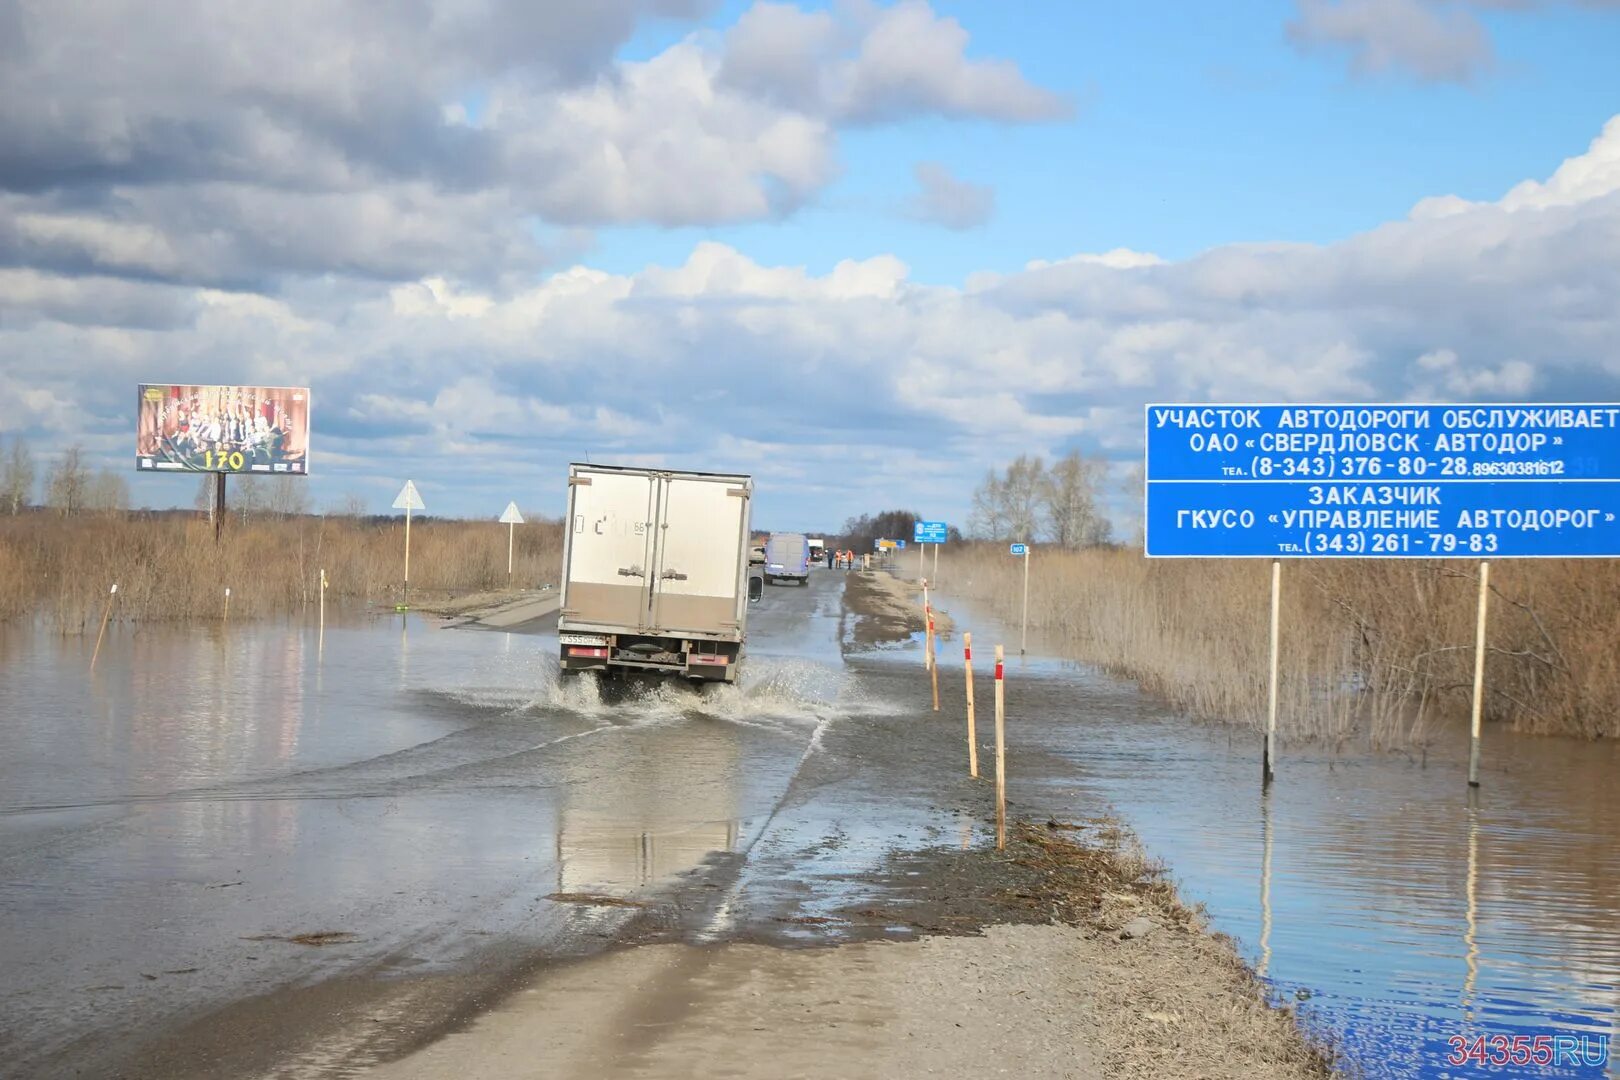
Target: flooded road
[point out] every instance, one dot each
(176, 826)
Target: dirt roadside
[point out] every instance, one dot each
(499, 609)
(891, 608)
(1068, 955)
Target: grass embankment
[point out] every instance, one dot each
(1379, 650)
(171, 568)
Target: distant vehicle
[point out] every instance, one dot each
(787, 558)
(655, 572)
(756, 556)
(818, 547)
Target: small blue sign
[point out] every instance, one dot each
(901, 544)
(929, 532)
(1018, 549)
(1383, 481)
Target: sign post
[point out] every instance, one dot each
(1022, 552)
(511, 518)
(1269, 755)
(407, 500)
(1391, 481)
(1479, 674)
(924, 533)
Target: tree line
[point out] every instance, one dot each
(71, 486)
(1031, 501)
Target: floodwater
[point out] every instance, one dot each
(169, 821)
(1373, 892)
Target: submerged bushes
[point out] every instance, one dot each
(171, 568)
(1369, 648)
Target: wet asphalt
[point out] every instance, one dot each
(405, 822)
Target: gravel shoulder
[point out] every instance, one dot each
(1088, 967)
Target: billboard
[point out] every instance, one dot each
(223, 429)
(1383, 481)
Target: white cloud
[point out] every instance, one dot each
(1431, 40)
(945, 200)
(469, 140)
(726, 362)
(877, 64)
(1434, 42)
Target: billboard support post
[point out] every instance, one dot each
(219, 504)
(1268, 756)
(936, 566)
(1479, 674)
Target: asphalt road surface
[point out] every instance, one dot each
(257, 854)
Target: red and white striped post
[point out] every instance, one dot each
(972, 736)
(928, 628)
(1001, 752)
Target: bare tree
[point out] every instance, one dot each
(107, 492)
(17, 476)
(288, 496)
(1024, 484)
(1069, 497)
(67, 483)
(989, 516)
(1134, 485)
(248, 497)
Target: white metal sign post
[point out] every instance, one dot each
(511, 518)
(1022, 551)
(407, 500)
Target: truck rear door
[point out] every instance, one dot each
(610, 548)
(701, 556)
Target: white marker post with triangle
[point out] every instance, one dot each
(511, 518)
(408, 500)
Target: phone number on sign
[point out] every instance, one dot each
(1581, 1051)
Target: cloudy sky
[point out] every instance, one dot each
(862, 250)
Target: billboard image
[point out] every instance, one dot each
(223, 429)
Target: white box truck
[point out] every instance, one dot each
(655, 572)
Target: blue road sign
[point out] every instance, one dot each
(1383, 481)
(901, 544)
(1018, 549)
(928, 532)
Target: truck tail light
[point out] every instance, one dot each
(599, 653)
(696, 658)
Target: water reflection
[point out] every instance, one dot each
(1404, 911)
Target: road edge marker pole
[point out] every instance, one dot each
(105, 615)
(1268, 754)
(928, 628)
(227, 618)
(972, 735)
(1001, 751)
(1479, 673)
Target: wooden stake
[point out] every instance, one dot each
(1479, 674)
(105, 615)
(322, 637)
(1001, 753)
(1268, 756)
(227, 605)
(973, 739)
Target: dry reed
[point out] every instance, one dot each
(170, 568)
(1374, 650)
